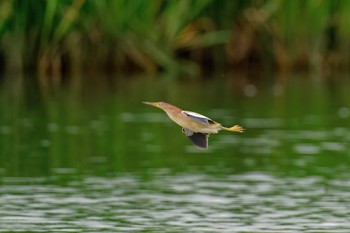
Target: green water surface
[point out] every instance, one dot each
(88, 156)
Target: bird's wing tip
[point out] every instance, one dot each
(200, 140)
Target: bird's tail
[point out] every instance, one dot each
(235, 128)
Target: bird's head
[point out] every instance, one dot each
(156, 104)
(163, 105)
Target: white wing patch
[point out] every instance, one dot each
(198, 117)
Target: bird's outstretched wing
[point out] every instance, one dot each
(199, 139)
(198, 117)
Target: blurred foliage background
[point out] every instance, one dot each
(176, 36)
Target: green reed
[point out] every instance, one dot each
(176, 36)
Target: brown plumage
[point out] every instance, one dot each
(196, 126)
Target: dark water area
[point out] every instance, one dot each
(88, 156)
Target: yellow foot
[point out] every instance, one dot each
(235, 128)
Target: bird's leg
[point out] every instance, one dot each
(235, 128)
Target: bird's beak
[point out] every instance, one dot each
(155, 104)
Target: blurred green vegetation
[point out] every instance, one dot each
(177, 36)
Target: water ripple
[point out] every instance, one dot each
(252, 202)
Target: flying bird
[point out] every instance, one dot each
(194, 125)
